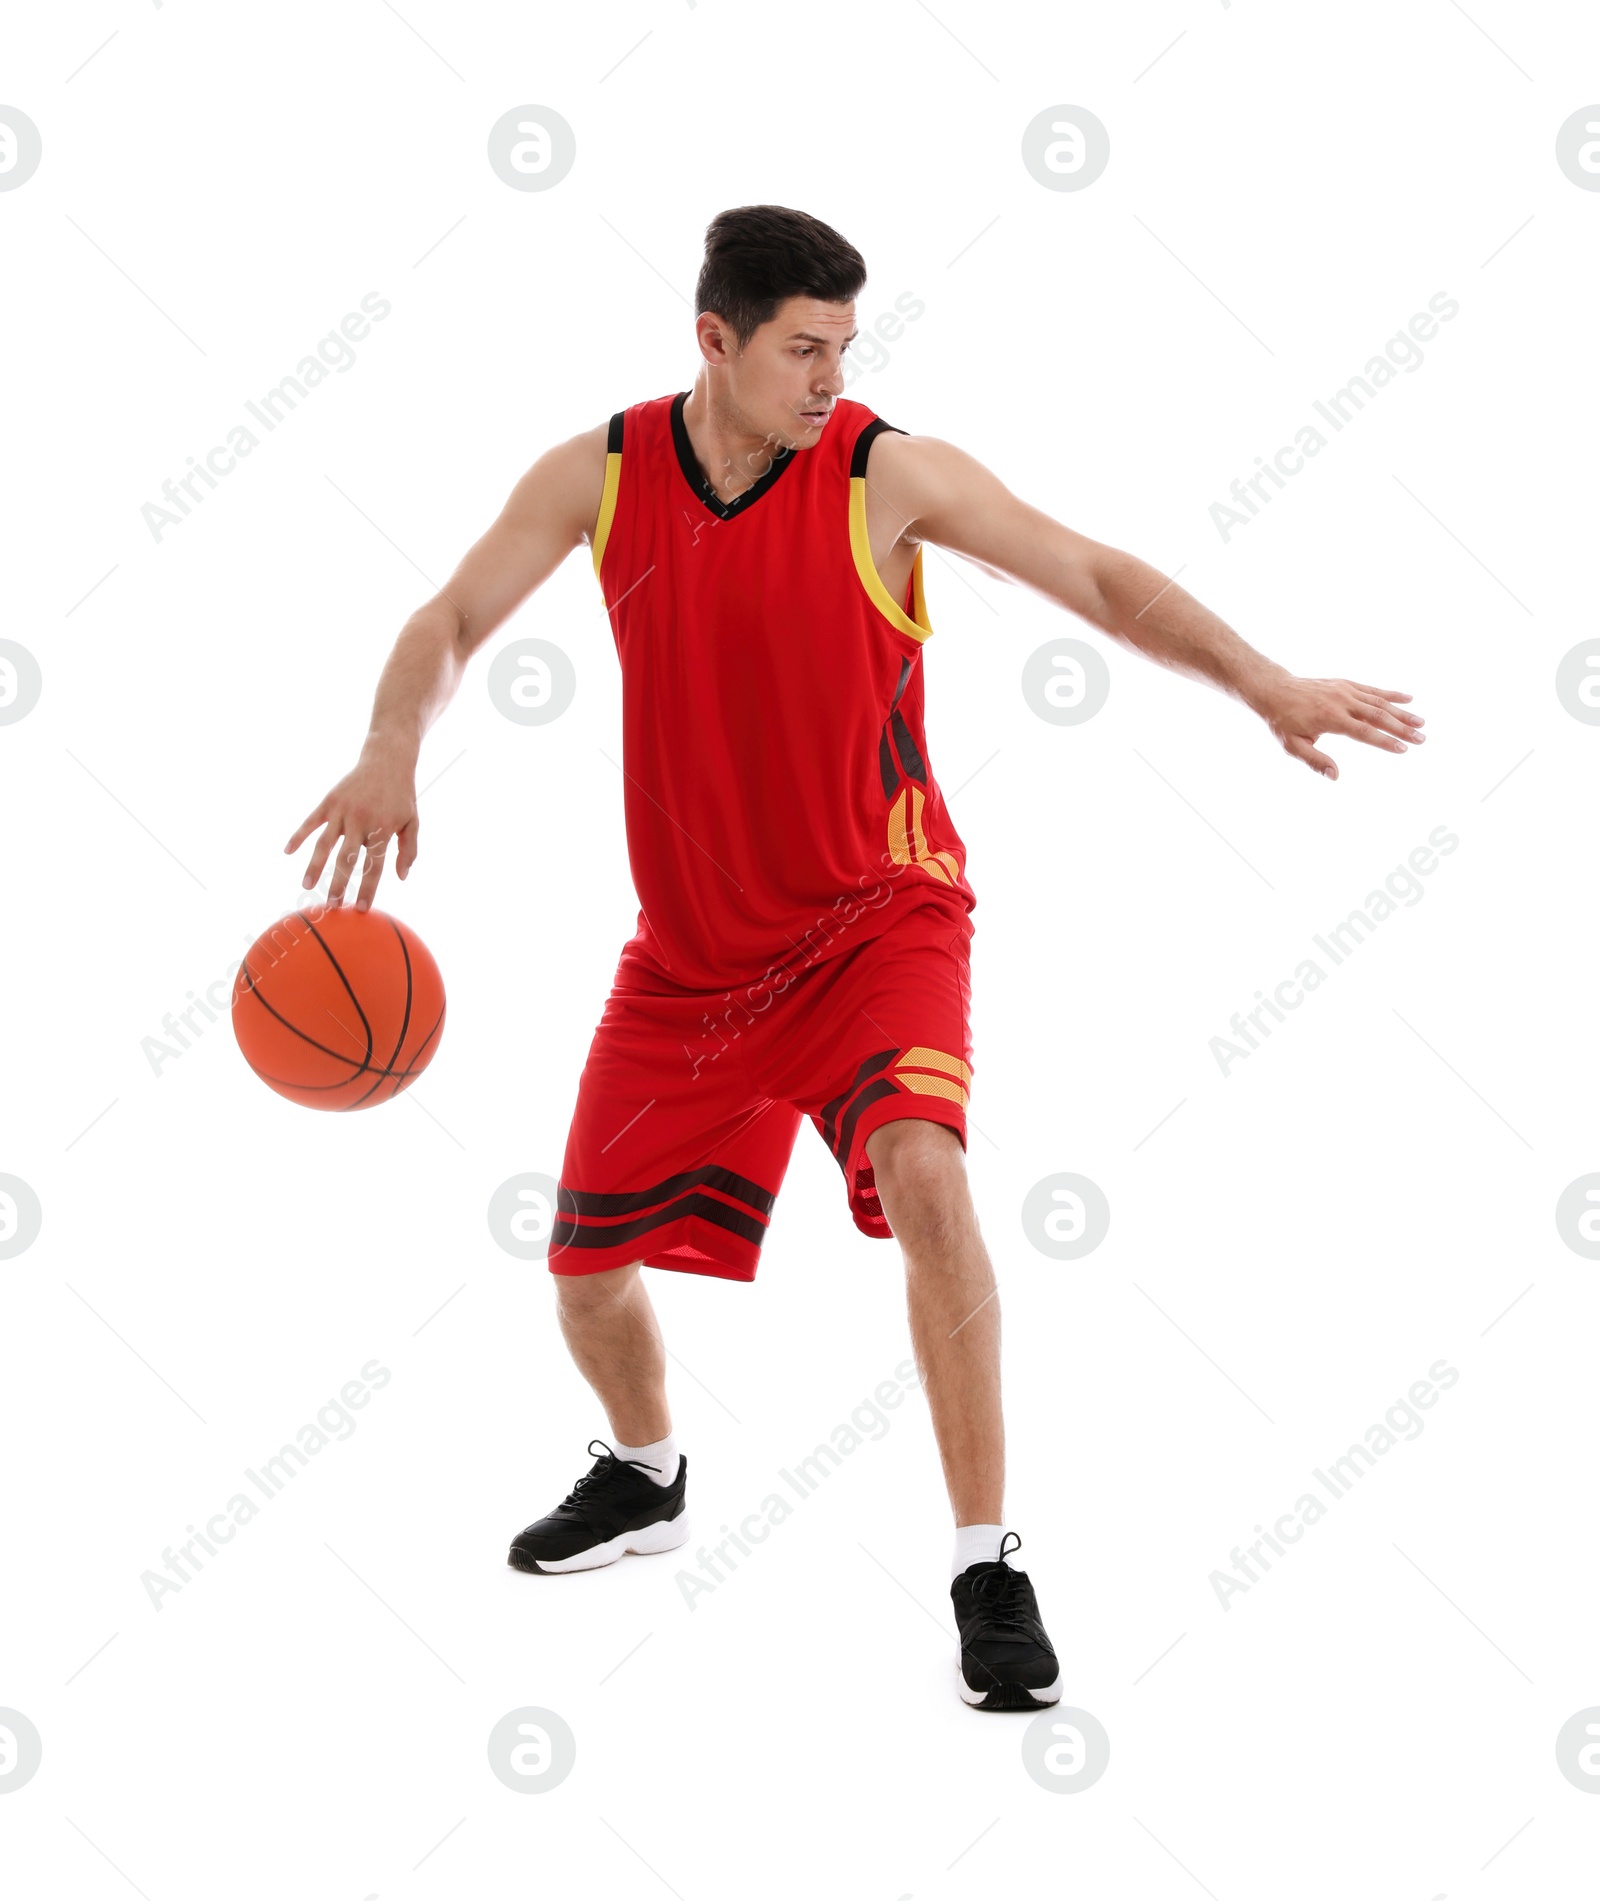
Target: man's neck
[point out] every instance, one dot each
(730, 458)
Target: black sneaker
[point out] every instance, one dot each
(1006, 1660)
(615, 1507)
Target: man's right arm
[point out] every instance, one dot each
(552, 510)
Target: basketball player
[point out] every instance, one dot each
(802, 942)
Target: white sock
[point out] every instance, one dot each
(660, 1454)
(975, 1544)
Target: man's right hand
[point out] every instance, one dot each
(367, 808)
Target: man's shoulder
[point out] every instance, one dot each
(857, 419)
(645, 406)
(900, 464)
(890, 439)
(584, 457)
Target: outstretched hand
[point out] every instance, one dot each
(369, 807)
(1299, 712)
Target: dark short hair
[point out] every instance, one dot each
(757, 255)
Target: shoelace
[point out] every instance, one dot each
(998, 1589)
(600, 1471)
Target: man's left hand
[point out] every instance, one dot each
(1299, 712)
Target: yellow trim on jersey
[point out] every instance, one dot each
(923, 1058)
(919, 843)
(872, 581)
(899, 851)
(913, 850)
(932, 860)
(608, 507)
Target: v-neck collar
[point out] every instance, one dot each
(703, 490)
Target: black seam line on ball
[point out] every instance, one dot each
(411, 1067)
(568, 1234)
(405, 1024)
(359, 1065)
(399, 1075)
(365, 1025)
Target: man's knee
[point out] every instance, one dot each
(580, 1295)
(913, 1150)
(920, 1171)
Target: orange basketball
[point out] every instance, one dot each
(338, 1008)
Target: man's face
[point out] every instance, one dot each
(789, 376)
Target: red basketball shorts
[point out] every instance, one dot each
(690, 1100)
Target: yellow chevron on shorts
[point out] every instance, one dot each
(924, 1058)
(932, 1086)
(911, 1072)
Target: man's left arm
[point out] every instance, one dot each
(947, 497)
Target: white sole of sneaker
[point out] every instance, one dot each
(667, 1535)
(1041, 1699)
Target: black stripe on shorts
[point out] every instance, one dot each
(874, 1092)
(580, 1201)
(831, 1109)
(568, 1234)
(664, 1202)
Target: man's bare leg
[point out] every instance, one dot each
(953, 1306)
(611, 1332)
(1005, 1660)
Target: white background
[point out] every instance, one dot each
(1290, 1250)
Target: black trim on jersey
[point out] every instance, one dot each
(858, 456)
(614, 435)
(704, 492)
(908, 748)
(888, 772)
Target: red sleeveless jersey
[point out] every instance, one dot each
(779, 802)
